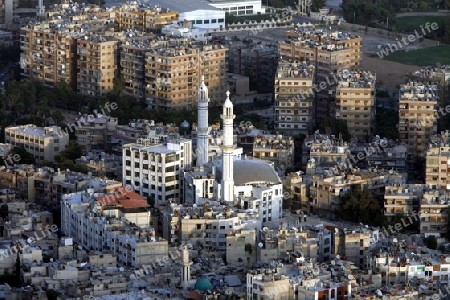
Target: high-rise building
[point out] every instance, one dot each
(174, 68)
(153, 166)
(227, 184)
(96, 64)
(355, 102)
(329, 52)
(143, 17)
(294, 97)
(417, 117)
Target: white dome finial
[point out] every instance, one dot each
(227, 101)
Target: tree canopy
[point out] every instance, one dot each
(359, 205)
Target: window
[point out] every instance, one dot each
(205, 21)
(199, 22)
(221, 20)
(213, 21)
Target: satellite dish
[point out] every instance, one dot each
(30, 240)
(121, 269)
(350, 276)
(447, 260)
(379, 293)
(260, 245)
(336, 230)
(194, 205)
(338, 256)
(25, 212)
(333, 262)
(51, 259)
(394, 240)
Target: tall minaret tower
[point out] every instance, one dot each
(202, 124)
(227, 185)
(185, 268)
(40, 8)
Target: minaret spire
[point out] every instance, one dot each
(227, 184)
(202, 124)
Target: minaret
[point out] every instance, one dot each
(40, 8)
(202, 124)
(185, 268)
(227, 185)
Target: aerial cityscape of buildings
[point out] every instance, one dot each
(279, 183)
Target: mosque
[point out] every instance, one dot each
(230, 178)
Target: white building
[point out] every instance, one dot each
(181, 31)
(154, 168)
(227, 183)
(44, 143)
(104, 223)
(202, 14)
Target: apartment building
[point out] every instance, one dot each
(49, 48)
(434, 213)
(48, 185)
(437, 164)
(439, 76)
(355, 102)
(44, 143)
(132, 65)
(323, 151)
(174, 69)
(143, 17)
(97, 64)
(278, 149)
(118, 222)
(294, 97)
(153, 166)
(401, 200)
(326, 192)
(330, 52)
(417, 117)
(94, 132)
(241, 248)
(353, 245)
(258, 62)
(297, 186)
(19, 178)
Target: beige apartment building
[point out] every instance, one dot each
(94, 132)
(132, 64)
(277, 149)
(44, 143)
(417, 117)
(401, 200)
(353, 245)
(97, 64)
(174, 69)
(329, 52)
(437, 166)
(143, 17)
(355, 102)
(294, 97)
(434, 207)
(48, 49)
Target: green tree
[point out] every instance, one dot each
(52, 294)
(430, 242)
(4, 211)
(72, 152)
(317, 4)
(25, 157)
(359, 205)
(248, 248)
(17, 273)
(335, 127)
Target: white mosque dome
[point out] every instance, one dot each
(247, 172)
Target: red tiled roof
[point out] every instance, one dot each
(124, 197)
